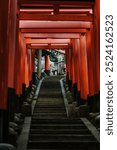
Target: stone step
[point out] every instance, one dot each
(50, 95)
(74, 136)
(58, 121)
(50, 102)
(63, 144)
(57, 126)
(49, 106)
(49, 117)
(50, 114)
(51, 129)
(59, 131)
(48, 109)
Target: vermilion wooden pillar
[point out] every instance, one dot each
(29, 65)
(47, 64)
(12, 43)
(77, 42)
(11, 58)
(96, 29)
(7, 52)
(84, 68)
(26, 69)
(68, 62)
(68, 79)
(74, 68)
(4, 51)
(19, 66)
(91, 61)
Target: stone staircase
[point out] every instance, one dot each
(51, 129)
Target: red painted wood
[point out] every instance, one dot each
(47, 41)
(3, 53)
(77, 42)
(28, 24)
(68, 53)
(74, 59)
(26, 66)
(7, 23)
(96, 29)
(47, 62)
(52, 35)
(57, 17)
(91, 62)
(84, 68)
(76, 46)
(12, 43)
(19, 65)
(17, 61)
(50, 3)
(48, 46)
(53, 30)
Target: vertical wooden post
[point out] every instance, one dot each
(47, 64)
(84, 70)
(4, 51)
(96, 31)
(90, 59)
(78, 64)
(7, 53)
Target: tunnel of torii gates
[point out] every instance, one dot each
(28, 25)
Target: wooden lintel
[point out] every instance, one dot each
(24, 24)
(53, 30)
(52, 35)
(49, 46)
(77, 3)
(47, 41)
(56, 17)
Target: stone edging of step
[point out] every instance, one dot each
(64, 97)
(23, 139)
(91, 128)
(36, 94)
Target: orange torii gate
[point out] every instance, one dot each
(81, 65)
(17, 59)
(15, 81)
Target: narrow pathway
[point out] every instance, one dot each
(51, 129)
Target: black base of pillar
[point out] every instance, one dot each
(18, 104)
(94, 103)
(11, 103)
(69, 82)
(28, 89)
(79, 100)
(74, 91)
(4, 126)
(34, 78)
(70, 85)
(47, 72)
(23, 96)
